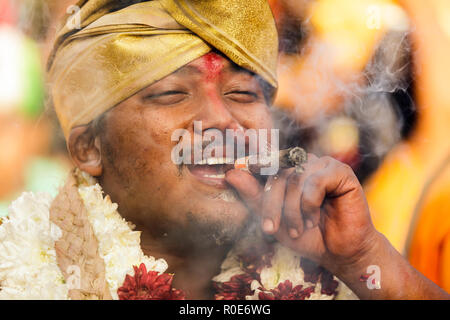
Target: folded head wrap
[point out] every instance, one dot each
(125, 46)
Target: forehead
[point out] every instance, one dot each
(211, 62)
(211, 65)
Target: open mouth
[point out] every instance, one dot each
(211, 171)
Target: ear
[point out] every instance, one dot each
(85, 150)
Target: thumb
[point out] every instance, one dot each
(247, 186)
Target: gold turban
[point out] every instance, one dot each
(123, 46)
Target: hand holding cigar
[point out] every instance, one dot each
(288, 158)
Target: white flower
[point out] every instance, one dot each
(285, 265)
(119, 246)
(28, 267)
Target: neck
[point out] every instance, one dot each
(193, 269)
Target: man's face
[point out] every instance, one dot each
(180, 203)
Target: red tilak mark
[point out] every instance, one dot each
(213, 64)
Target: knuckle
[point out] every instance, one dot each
(254, 196)
(311, 197)
(286, 173)
(341, 166)
(312, 182)
(293, 180)
(311, 157)
(328, 159)
(347, 169)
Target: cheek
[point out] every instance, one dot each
(130, 141)
(143, 129)
(140, 139)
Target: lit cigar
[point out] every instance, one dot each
(288, 158)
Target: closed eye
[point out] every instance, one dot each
(167, 97)
(243, 96)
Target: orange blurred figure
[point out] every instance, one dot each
(325, 82)
(409, 196)
(344, 35)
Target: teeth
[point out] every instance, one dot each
(215, 176)
(215, 161)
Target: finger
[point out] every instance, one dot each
(310, 244)
(273, 201)
(292, 213)
(316, 187)
(248, 188)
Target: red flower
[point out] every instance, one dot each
(256, 258)
(311, 270)
(236, 289)
(314, 273)
(329, 285)
(253, 261)
(148, 286)
(284, 291)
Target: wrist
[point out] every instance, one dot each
(368, 254)
(365, 271)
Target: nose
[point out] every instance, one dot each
(216, 114)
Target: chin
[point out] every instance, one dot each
(204, 215)
(213, 223)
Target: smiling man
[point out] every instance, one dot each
(133, 74)
(188, 214)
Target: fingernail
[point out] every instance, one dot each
(268, 225)
(309, 224)
(293, 233)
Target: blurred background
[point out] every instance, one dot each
(365, 81)
(32, 151)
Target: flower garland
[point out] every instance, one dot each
(253, 269)
(28, 268)
(119, 245)
(149, 286)
(256, 269)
